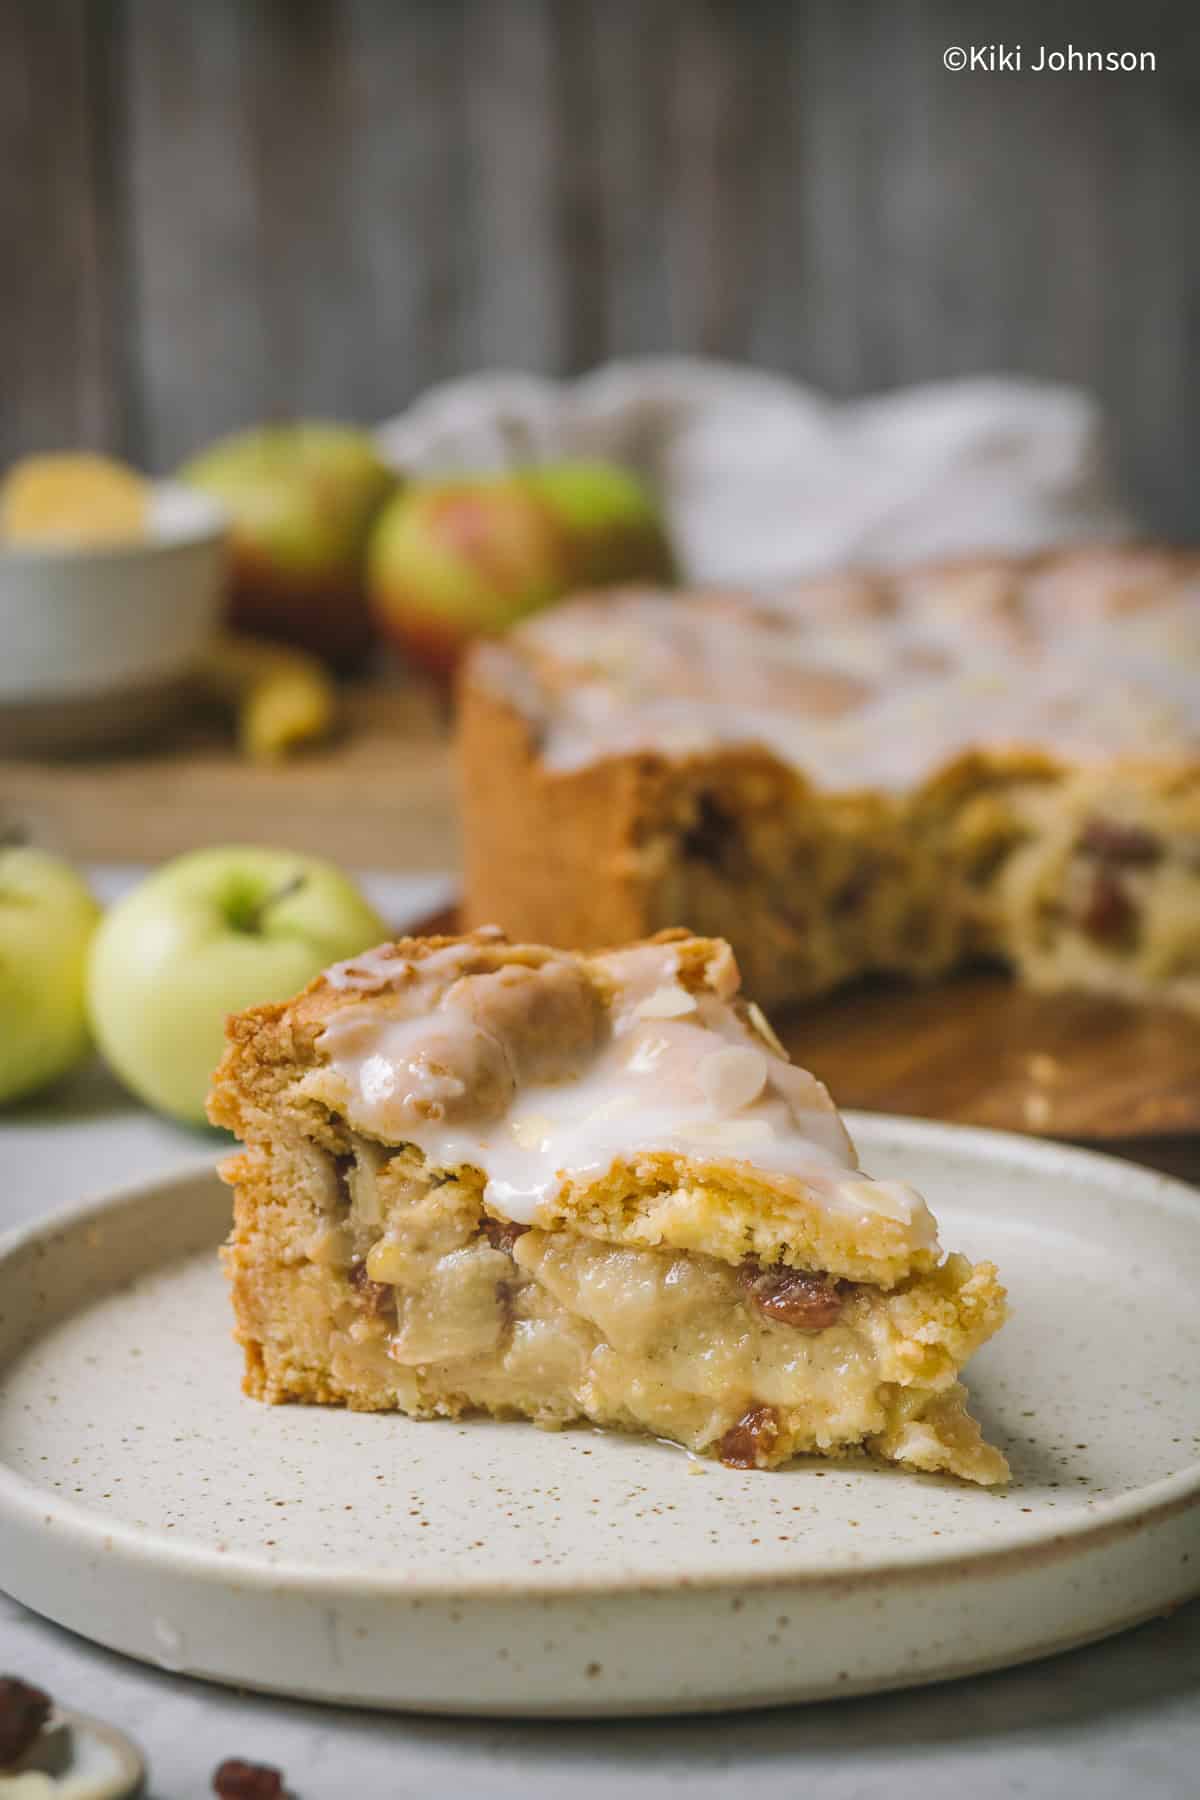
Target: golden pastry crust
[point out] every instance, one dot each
(1081, 871)
(697, 1303)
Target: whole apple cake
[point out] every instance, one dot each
(889, 773)
(525, 1181)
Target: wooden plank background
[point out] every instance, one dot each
(214, 213)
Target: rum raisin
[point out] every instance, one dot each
(237, 1780)
(856, 890)
(1108, 914)
(713, 835)
(342, 1166)
(1113, 842)
(748, 1444)
(798, 1297)
(501, 1234)
(379, 1297)
(23, 1712)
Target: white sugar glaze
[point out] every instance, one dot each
(857, 697)
(526, 1073)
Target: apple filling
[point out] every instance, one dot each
(413, 1296)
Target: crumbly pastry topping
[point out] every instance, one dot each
(561, 1067)
(876, 682)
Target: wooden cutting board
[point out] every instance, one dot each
(978, 1050)
(381, 796)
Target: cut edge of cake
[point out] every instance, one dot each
(1078, 874)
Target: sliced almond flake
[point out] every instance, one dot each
(620, 1103)
(890, 1199)
(668, 1002)
(765, 1029)
(732, 1077)
(732, 1134)
(532, 1131)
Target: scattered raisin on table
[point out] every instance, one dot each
(23, 1712)
(237, 1780)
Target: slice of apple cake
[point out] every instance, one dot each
(497, 1177)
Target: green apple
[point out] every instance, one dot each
(466, 557)
(47, 917)
(452, 559)
(614, 528)
(301, 500)
(206, 935)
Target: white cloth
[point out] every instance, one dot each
(763, 479)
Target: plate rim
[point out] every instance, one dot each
(1124, 1516)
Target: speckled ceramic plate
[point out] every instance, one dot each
(492, 1568)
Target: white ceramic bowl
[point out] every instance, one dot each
(95, 642)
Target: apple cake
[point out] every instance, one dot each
(479, 1176)
(890, 773)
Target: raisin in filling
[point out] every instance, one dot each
(858, 888)
(501, 1234)
(342, 1166)
(1111, 842)
(796, 1297)
(749, 1443)
(1108, 915)
(377, 1297)
(714, 837)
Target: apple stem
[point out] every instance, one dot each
(256, 915)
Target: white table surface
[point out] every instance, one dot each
(1118, 1721)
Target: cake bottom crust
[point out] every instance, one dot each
(911, 1427)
